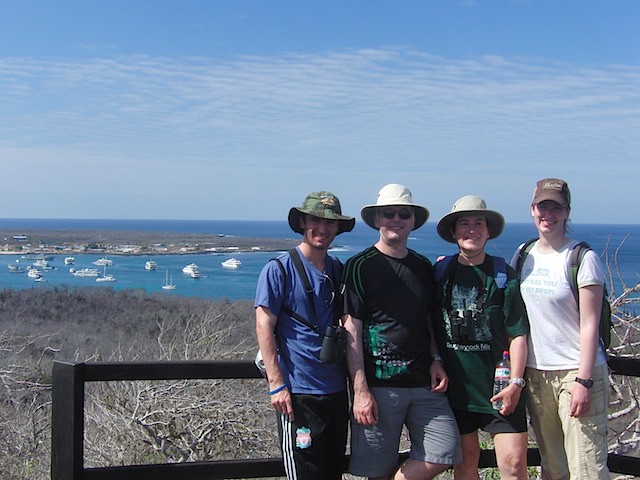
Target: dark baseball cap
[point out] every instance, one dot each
(552, 189)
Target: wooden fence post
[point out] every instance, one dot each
(67, 421)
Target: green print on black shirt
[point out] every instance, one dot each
(388, 358)
(466, 298)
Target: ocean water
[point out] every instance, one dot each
(218, 283)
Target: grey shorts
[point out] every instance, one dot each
(429, 420)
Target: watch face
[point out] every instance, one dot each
(519, 382)
(588, 383)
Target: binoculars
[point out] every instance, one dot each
(334, 344)
(462, 327)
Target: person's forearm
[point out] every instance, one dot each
(355, 354)
(518, 356)
(590, 305)
(265, 326)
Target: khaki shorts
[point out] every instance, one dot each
(569, 445)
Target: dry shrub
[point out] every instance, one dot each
(177, 421)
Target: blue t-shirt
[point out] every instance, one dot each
(298, 345)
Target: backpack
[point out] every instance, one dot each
(575, 259)
(499, 269)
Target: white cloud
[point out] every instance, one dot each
(146, 125)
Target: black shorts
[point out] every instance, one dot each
(469, 422)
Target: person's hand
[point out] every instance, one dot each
(365, 408)
(510, 397)
(281, 401)
(439, 378)
(580, 400)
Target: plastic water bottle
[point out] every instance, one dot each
(501, 377)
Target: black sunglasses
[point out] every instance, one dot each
(328, 291)
(390, 213)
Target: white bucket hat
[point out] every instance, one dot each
(394, 195)
(470, 205)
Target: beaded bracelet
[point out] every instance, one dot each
(279, 389)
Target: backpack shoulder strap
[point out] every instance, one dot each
(575, 259)
(285, 308)
(523, 251)
(499, 269)
(297, 262)
(284, 272)
(441, 266)
(606, 325)
(500, 272)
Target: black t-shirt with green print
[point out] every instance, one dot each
(393, 298)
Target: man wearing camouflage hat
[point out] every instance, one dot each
(295, 315)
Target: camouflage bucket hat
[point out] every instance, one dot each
(321, 205)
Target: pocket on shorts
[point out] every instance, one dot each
(599, 398)
(533, 395)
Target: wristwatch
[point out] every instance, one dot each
(518, 381)
(588, 383)
(437, 358)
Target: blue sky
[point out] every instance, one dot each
(205, 109)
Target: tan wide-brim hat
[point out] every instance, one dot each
(321, 205)
(470, 205)
(394, 195)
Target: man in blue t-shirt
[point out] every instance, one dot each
(294, 305)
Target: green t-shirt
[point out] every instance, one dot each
(493, 316)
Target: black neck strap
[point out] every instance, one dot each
(297, 262)
(450, 275)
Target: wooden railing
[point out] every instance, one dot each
(67, 436)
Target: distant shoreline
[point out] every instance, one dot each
(131, 242)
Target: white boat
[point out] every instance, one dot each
(168, 283)
(104, 261)
(85, 272)
(42, 263)
(105, 277)
(15, 268)
(34, 273)
(192, 270)
(151, 265)
(69, 261)
(231, 263)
